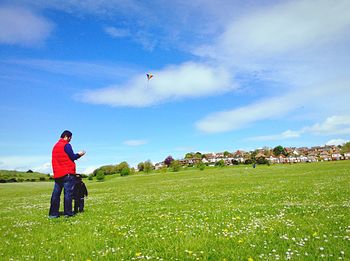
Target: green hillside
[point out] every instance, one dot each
(280, 212)
(20, 176)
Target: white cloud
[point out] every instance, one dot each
(334, 125)
(292, 44)
(44, 168)
(282, 28)
(289, 134)
(272, 108)
(165, 20)
(134, 143)
(336, 142)
(116, 32)
(22, 27)
(88, 170)
(24, 163)
(172, 83)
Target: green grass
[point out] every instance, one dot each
(297, 212)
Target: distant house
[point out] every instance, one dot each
(289, 150)
(303, 150)
(159, 165)
(303, 158)
(293, 159)
(282, 159)
(312, 156)
(219, 156)
(190, 161)
(260, 155)
(210, 158)
(273, 159)
(239, 156)
(324, 155)
(337, 156)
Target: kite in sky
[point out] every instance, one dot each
(149, 77)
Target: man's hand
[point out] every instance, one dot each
(81, 153)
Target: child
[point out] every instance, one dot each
(80, 192)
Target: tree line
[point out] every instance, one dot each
(171, 164)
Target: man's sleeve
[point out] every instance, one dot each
(68, 149)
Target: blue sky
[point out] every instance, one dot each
(228, 75)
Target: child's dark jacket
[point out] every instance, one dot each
(80, 189)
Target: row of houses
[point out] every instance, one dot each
(291, 155)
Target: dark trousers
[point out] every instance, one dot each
(67, 183)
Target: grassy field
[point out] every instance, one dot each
(281, 212)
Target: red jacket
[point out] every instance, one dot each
(61, 163)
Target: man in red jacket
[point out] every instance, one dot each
(64, 172)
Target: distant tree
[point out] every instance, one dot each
(109, 169)
(29, 171)
(163, 169)
(197, 155)
(220, 163)
(248, 161)
(262, 160)
(345, 148)
(125, 172)
(201, 166)
(91, 177)
(266, 151)
(148, 166)
(189, 155)
(253, 154)
(100, 175)
(235, 162)
(226, 154)
(168, 161)
(106, 170)
(175, 165)
(279, 150)
(141, 166)
(121, 166)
